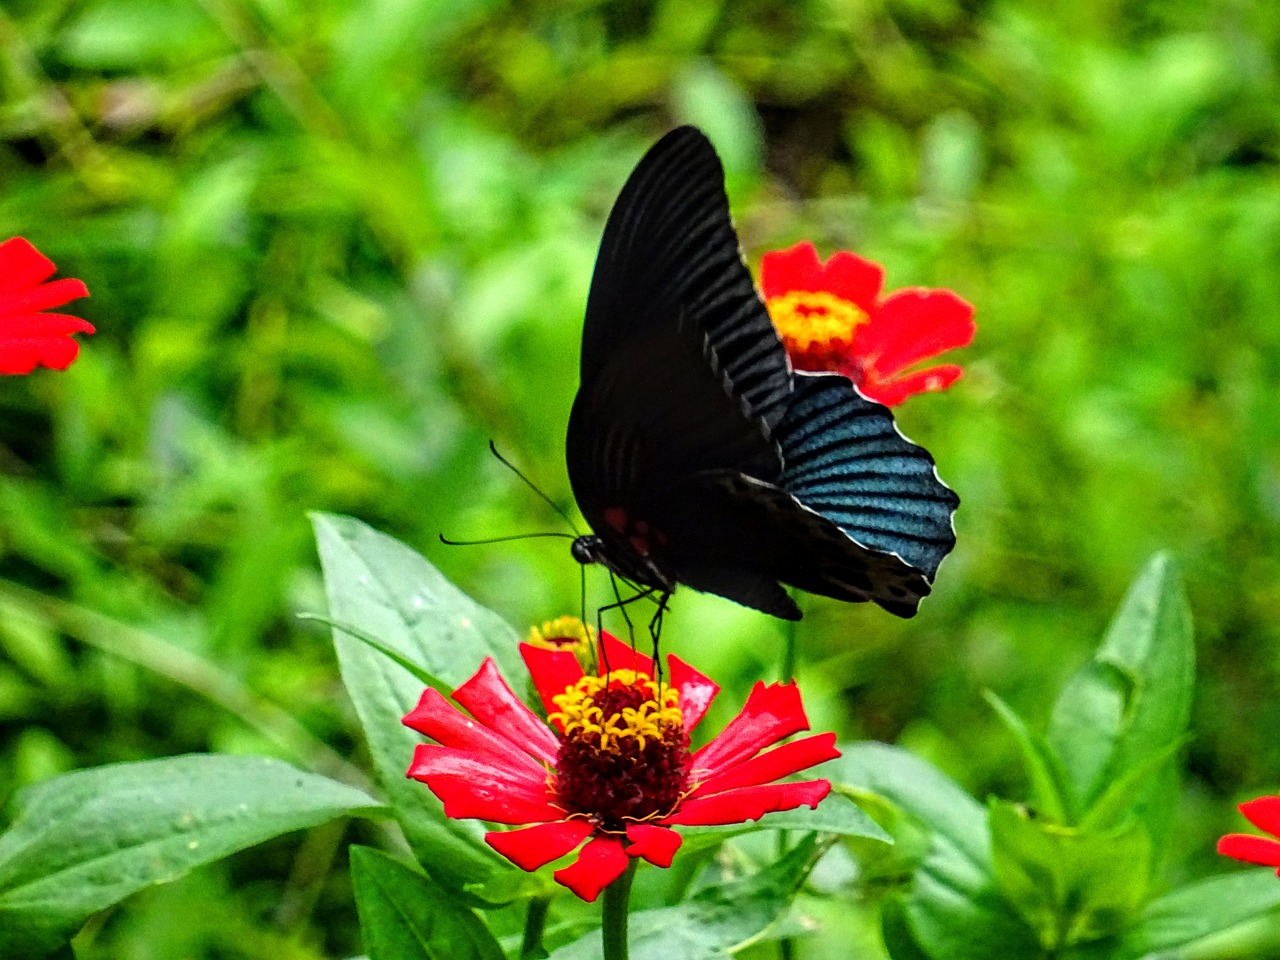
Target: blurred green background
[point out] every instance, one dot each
(335, 247)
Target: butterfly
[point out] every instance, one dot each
(695, 452)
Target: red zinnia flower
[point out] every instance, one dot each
(831, 317)
(1263, 813)
(28, 336)
(611, 766)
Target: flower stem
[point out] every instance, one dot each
(535, 922)
(788, 651)
(613, 927)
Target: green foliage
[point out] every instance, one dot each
(406, 916)
(383, 589)
(335, 247)
(86, 840)
(715, 922)
(1073, 877)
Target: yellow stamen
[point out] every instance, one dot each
(565, 633)
(658, 712)
(808, 318)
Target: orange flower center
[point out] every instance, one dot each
(816, 327)
(624, 755)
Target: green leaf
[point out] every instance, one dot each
(836, 814)
(1133, 701)
(1072, 886)
(1200, 910)
(86, 840)
(954, 907)
(387, 591)
(405, 915)
(1044, 769)
(715, 921)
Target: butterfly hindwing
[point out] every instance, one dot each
(845, 459)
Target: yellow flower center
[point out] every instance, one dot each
(814, 318)
(565, 633)
(624, 704)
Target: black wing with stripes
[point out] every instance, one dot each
(844, 457)
(695, 453)
(670, 255)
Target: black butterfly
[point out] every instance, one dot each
(696, 453)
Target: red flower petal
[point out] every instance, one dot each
(599, 864)
(696, 691)
(771, 713)
(777, 763)
(1245, 846)
(483, 787)
(616, 655)
(40, 298)
(656, 844)
(845, 275)
(1263, 813)
(795, 268)
(913, 325)
(553, 672)
(28, 337)
(488, 698)
(22, 265)
(437, 718)
(893, 391)
(851, 278)
(23, 356)
(531, 847)
(36, 326)
(748, 803)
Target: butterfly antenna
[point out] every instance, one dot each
(532, 486)
(519, 536)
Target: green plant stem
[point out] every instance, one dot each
(786, 948)
(534, 923)
(617, 904)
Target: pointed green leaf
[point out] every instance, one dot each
(1044, 770)
(86, 840)
(1133, 700)
(1070, 885)
(387, 591)
(954, 907)
(1201, 910)
(405, 915)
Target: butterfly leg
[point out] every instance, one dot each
(621, 605)
(655, 631)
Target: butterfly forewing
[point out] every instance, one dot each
(670, 255)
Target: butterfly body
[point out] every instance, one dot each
(694, 451)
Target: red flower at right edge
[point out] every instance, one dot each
(610, 771)
(29, 337)
(1263, 813)
(831, 316)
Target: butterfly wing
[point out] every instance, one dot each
(859, 514)
(681, 368)
(697, 455)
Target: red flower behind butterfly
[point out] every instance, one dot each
(29, 337)
(1263, 813)
(611, 770)
(831, 316)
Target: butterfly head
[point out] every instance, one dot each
(588, 549)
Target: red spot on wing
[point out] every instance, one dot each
(616, 517)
